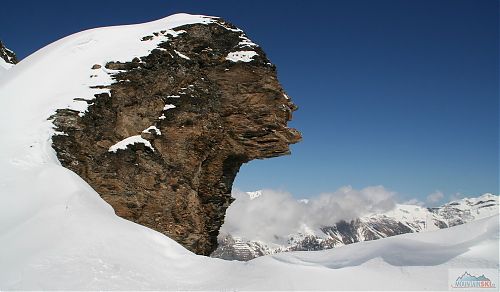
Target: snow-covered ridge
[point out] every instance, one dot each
(403, 218)
(4, 65)
(450, 214)
(69, 82)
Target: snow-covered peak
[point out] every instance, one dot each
(403, 218)
(484, 201)
(403, 212)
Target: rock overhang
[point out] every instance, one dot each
(215, 99)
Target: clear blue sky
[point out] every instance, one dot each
(397, 93)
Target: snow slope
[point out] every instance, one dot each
(57, 233)
(4, 65)
(244, 237)
(86, 247)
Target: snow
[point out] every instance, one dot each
(56, 233)
(169, 106)
(4, 65)
(68, 62)
(228, 28)
(475, 204)
(308, 222)
(153, 128)
(176, 33)
(422, 218)
(182, 55)
(246, 42)
(409, 213)
(123, 144)
(63, 70)
(241, 56)
(74, 241)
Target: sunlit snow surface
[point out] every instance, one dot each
(57, 233)
(137, 139)
(154, 129)
(241, 56)
(4, 65)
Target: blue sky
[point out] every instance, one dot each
(397, 93)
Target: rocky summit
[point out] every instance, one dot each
(163, 147)
(7, 55)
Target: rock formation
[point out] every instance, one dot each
(7, 55)
(163, 149)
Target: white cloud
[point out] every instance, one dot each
(414, 202)
(456, 196)
(435, 197)
(275, 214)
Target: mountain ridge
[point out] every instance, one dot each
(402, 219)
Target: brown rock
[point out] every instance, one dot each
(226, 114)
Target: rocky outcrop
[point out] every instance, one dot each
(163, 149)
(7, 55)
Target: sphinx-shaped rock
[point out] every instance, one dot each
(164, 147)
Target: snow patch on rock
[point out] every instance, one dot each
(182, 55)
(241, 56)
(152, 128)
(168, 106)
(123, 144)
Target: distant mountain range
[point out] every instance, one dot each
(402, 219)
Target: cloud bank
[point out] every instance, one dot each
(434, 197)
(275, 214)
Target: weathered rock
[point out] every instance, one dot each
(7, 55)
(226, 114)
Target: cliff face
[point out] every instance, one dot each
(163, 148)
